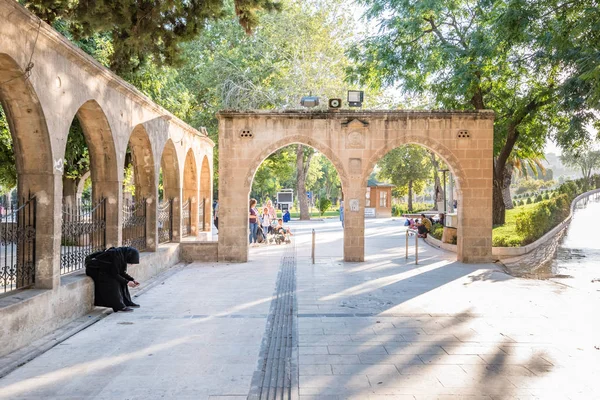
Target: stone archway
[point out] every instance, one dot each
(36, 173)
(205, 200)
(169, 164)
(354, 141)
(146, 189)
(190, 195)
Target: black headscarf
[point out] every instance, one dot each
(132, 256)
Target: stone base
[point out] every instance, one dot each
(199, 251)
(449, 235)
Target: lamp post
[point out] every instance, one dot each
(443, 171)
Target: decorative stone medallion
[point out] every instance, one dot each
(355, 140)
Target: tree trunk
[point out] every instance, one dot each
(499, 210)
(70, 191)
(508, 171)
(301, 171)
(410, 196)
(437, 187)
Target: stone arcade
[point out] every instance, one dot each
(45, 82)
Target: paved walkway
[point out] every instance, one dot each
(383, 329)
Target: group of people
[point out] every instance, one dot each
(264, 221)
(423, 226)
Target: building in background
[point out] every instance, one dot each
(378, 203)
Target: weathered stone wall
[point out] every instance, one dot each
(354, 141)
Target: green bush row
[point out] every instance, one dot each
(400, 209)
(532, 224)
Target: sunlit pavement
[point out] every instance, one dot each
(383, 329)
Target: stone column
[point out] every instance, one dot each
(112, 191)
(354, 221)
(151, 196)
(175, 195)
(47, 189)
(233, 217)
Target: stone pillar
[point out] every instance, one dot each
(47, 188)
(151, 196)
(450, 194)
(233, 222)
(112, 192)
(354, 221)
(175, 194)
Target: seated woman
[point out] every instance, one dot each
(108, 269)
(281, 233)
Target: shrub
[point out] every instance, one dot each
(546, 196)
(538, 198)
(437, 230)
(533, 223)
(506, 240)
(324, 204)
(529, 200)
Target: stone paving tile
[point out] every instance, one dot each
(365, 369)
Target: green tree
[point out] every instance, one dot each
(471, 54)
(408, 167)
(8, 167)
(587, 159)
(142, 29)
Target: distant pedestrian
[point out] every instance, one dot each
(216, 214)
(253, 221)
(342, 212)
(272, 211)
(266, 221)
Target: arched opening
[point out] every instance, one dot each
(407, 181)
(189, 207)
(285, 177)
(27, 170)
(205, 201)
(169, 195)
(140, 192)
(89, 157)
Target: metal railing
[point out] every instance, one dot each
(17, 245)
(134, 223)
(165, 221)
(411, 232)
(83, 232)
(186, 218)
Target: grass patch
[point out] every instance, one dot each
(506, 235)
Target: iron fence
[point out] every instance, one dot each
(83, 233)
(165, 221)
(186, 218)
(17, 245)
(134, 224)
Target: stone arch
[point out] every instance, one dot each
(296, 139)
(441, 150)
(25, 116)
(190, 191)
(103, 156)
(205, 200)
(170, 170)
(34, 163)
(143, 162)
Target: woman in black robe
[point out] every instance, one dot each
(108, 269)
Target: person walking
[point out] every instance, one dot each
(253, 221)
(342, 212)
(216, 214)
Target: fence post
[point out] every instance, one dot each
(406, 236)
(416, 249)
(313, 246)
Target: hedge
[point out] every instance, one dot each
(437, 230)
(535, 223)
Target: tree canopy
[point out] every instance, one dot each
(477, 54)
(142, 29)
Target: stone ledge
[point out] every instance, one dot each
(344, 113)
(439, 244)
(203, 251)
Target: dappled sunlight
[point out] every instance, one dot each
(379, 283)
(66, 375)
